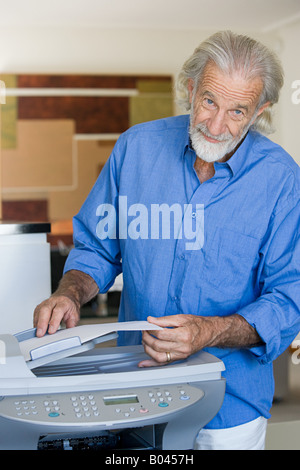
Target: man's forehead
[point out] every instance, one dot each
(232, 86)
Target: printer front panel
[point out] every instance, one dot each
(106, 409)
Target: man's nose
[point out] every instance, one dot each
(217, 123)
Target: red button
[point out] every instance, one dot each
(144, 410)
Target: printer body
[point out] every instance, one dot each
(65, 392)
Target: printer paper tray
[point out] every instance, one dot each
(91, 364)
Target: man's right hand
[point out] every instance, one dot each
(74, 290)
(49, 314)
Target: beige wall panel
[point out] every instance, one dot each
(9, 112)
(19, 196)
(90, 156)
(43, 157)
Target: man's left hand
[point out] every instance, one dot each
(181, 336)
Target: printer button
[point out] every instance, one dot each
(144, 410)
(185, 397)
(163, 404)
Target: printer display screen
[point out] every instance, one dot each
(120, 400)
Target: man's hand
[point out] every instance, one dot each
(183, 335)
(49, 314)
(74, 290)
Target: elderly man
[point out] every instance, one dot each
(235, 290)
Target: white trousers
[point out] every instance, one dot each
(248, 436)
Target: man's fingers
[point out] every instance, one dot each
(50, 313)
(42, 315)
(158, 343)
(151, 363)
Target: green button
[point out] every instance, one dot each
(163, 404)
(53, 414)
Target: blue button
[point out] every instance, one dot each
(53, 414)
(163, 404)
(184, 397)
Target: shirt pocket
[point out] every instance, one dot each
(230, 261)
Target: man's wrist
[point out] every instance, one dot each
(78, 286)
(232, 331)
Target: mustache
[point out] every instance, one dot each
(220, 138)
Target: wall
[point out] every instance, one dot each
(58, 131)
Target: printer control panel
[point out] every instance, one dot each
(105, 408)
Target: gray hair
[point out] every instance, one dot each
(235, 53)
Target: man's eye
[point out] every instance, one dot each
(209, 102)
(237, 114)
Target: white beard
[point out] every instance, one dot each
(212, 152)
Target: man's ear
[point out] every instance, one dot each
(190, 89)
(263, 107)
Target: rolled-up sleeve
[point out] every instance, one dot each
(96, 255)
(276, 312)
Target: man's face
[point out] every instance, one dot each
(223, 109)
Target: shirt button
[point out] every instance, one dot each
(193, 215)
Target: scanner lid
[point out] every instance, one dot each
(67, 342)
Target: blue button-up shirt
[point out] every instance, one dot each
(247, 260)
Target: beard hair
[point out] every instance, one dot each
(212, 152)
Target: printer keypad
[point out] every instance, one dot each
(84, 406)
(161, 398)
(25, 407)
